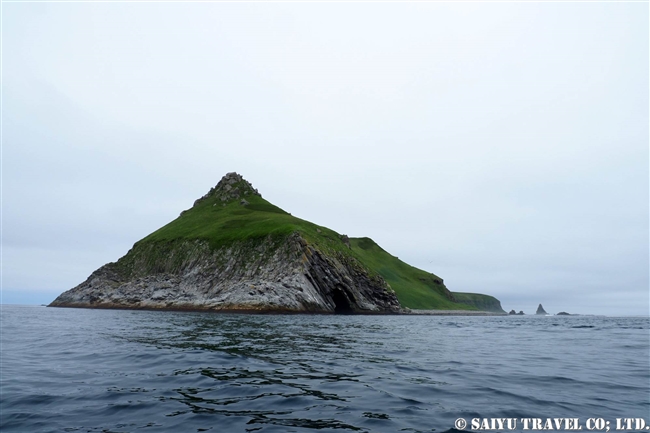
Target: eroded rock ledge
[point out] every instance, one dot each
(257, 275)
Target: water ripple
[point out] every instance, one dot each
(126, 371)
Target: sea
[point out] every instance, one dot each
(82, 370)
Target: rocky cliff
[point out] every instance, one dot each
(265, 275)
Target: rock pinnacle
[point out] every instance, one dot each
(231, 187)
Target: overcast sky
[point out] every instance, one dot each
(501, 146)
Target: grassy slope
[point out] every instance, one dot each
(482, 302)
(414, 287)
(221, 225)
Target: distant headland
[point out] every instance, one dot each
(233, 251)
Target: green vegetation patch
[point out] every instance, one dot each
(481, 302)
(415, 288)
(224, 223)
(221, 223)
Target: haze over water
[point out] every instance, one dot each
(126, 371)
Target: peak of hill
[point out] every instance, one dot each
(231, 187)
(233, 251)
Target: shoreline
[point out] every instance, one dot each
(451, 313)
(192, 309)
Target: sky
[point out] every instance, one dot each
(501, 146)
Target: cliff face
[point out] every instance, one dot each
(273, 275)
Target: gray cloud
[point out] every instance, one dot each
(501, 146)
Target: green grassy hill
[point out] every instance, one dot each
(481, 302)
(222, 223)
(222, 220)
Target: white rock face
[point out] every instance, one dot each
(255, 275)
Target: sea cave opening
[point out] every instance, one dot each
(341, 302)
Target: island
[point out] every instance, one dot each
(233, 251)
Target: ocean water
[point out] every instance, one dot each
(76, 370)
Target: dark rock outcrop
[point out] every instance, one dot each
(231, 187)
(540, 311)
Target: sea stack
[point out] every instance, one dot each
(541, 311)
